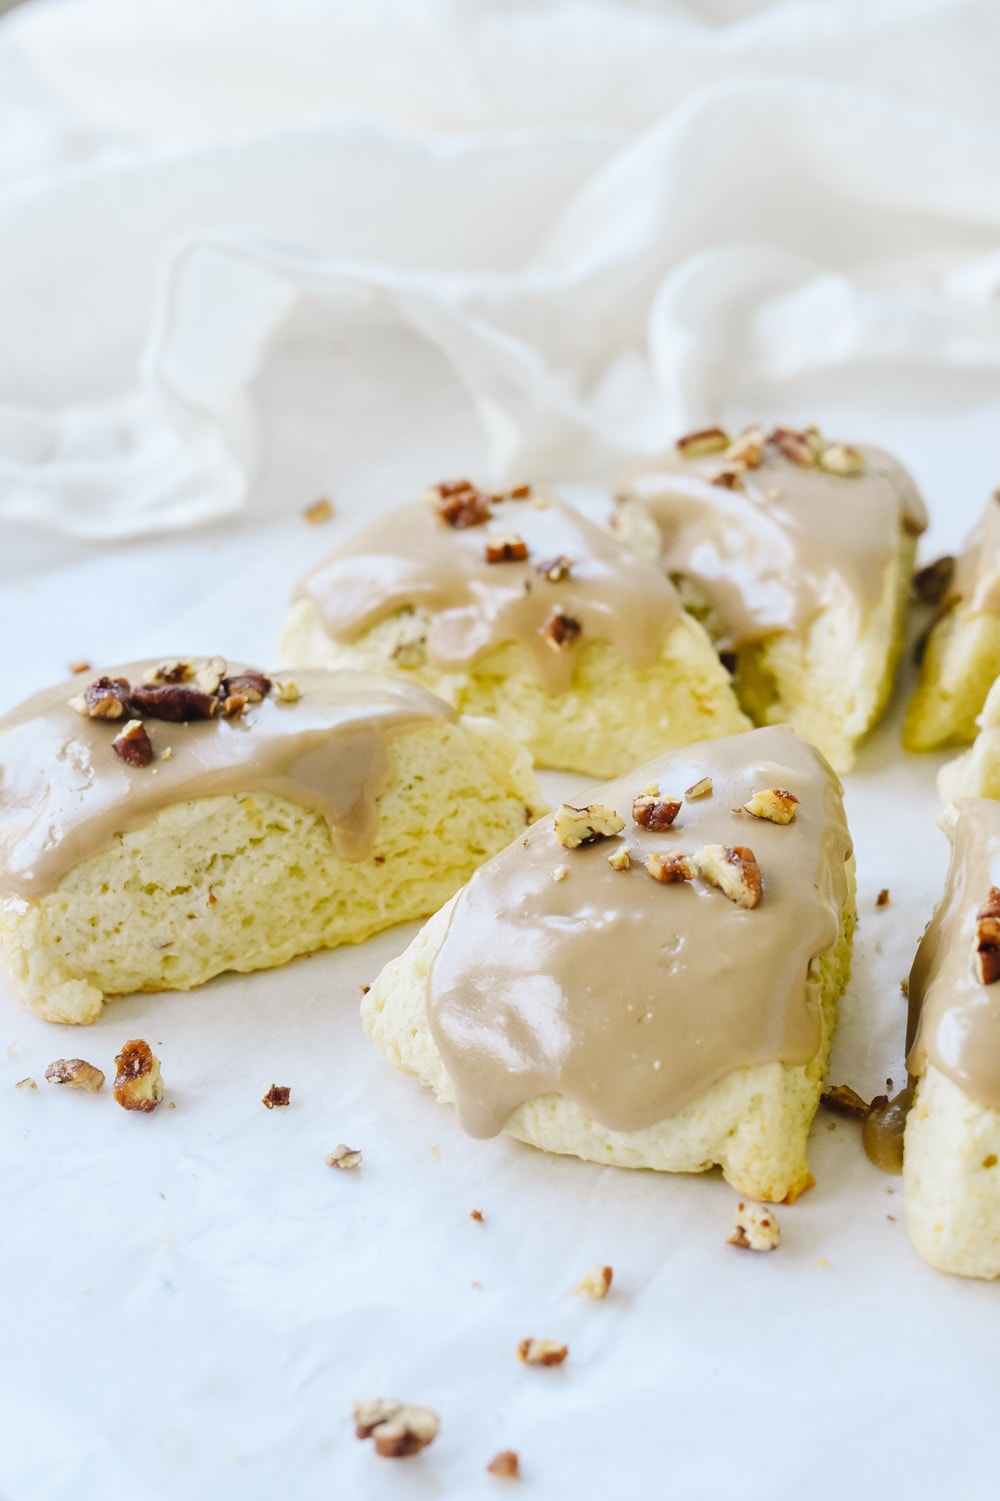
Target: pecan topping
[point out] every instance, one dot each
(843, 1100)
(794, 445)
(252, 685)
(138, 1082)
(169, 672)
(342, 1156)
(560, 630)
(397, 1429)
(701, 788)
(506, 1464)
(461, 506)
(506, 547)
(756, 1228)
(705, 440)
(318, 512)
(478, 1216)
(841, 458)
(233, 705)
(278, 1094)
(174, 701)
(209, 675)
(554, 569)
(747, 448)
(576, 826)
(774, 803)
(671, 868)
(76, 1073)
(649, 812)
(728, 478)
(595, 1283)
(542, 1352)
(106, 698)
(449, 487)
(620, 859)
(734, 870)
(133, 744)
(987, 955)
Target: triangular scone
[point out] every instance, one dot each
(797, 554)
(961, 660)
(161, 824)
(951, 1161)
(520, 608)
(659, 997)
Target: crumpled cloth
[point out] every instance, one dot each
(588, 224)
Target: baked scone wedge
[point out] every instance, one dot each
(797, 555)
(961, 660)
(520, 608)
(163, 823)
(976, 772)
(660, 995)
(951, 1157)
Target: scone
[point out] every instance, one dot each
(797, 555)
(951, 1158)
(648, 978)
(159, 825)
(962, 656)
(976, 772)
(519, 608)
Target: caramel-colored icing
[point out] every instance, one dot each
(975, 586)
(955, 1019)
(412, 558)
(65, 795)
(626, 995)
(793, 540)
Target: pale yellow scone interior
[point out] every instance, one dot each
(800, 565)
(640, 675)
(976, 772)
(951, 1157)
(753, 1120)
(249, 879)
(962, 657)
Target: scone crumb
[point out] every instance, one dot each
(505, 1464)
(706, 440)
(701, 788)
(620, 859)
(882, 900)
(651, 812)
(542, 1352)
(560, 630)
(342, 1156)
(286, 691)
(318, 512)
(397, 1428)
(560, 872)
(138, 1083)
(756, 1228)
(167, 753)
(133, 745)
(76, 1073)
(987, 953)
(671, 868)
(734, 870)
(594, 1283)
(78, 665)
(278, 1094)
(26, 1084)
(506, 547)
(576, 826)
(776, 804)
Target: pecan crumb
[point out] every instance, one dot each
(734, 870)
(794, 445)
(542, 1352)
(841, 1099)
(78, 665)
(671, 868)
(105, 698)
(138, 1082)
(175, 702)
(461, 506)
(701, 788)
(342, 1156)
(506, 547)
(773, 803)
(747, 448)
(576, 826)
(931, 584)
(882, 900)
(25, 1084)
(594, 1283)
(554, 569)
(478, 1216)
(705, 440)
(75, 1072)
(520, 492)
(278, 1094)
(133, 745)
(505, 1464)
(209, 675)
(727, 478)
(756, 1228)
(397, 1428)
(650, 812)
(318, 512)
(620, 859)
(560, 630)
(841, 458)
(987, 953)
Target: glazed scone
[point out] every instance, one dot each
(660, 997)
(976, 772)
(521, 609)
(156, 833)
(951, 1158)
(797, 555)
(961, 660)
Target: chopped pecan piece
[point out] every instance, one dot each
(747, 448)
(620, 859)
(478, 1216)
(594, 1283)
(278, 1094)
(174, 701)
(727, 478)
(794, 445)
(756, 1228)
(521, 492)
(209, 675)
(705, 440)
(560, 630)
(931, 584)
(987, 954)
(841, 458)
(78, 665)
(542, 1352)
(843, 1100)
(554, 569)
(342, 1156)
(169, 672)
(506, 547)
(318, 512)
(774, 804)
(651, 812)
(449, 487)
(505, 1464)
(701, 788)
(671, 868)
(138, 1082)
(882, 900)
(232, 706)
(76, 1073)
(397, 1428)
(576, 826)
(106, 698)
(253, 685)
(462, 508)
(734, 870)
(133, 744)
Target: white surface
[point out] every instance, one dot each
(209, 1342)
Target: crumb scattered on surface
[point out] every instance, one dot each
(138, 1083)
(397, 1429)
(278, 1094)
(542, 1352)
(478, 1216)
(505, 1464)
(595, 1283)
(76, 1073)
(882, 900)
(342, 1156)
(318, 512)
(756, 1228)
(25, 1084)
